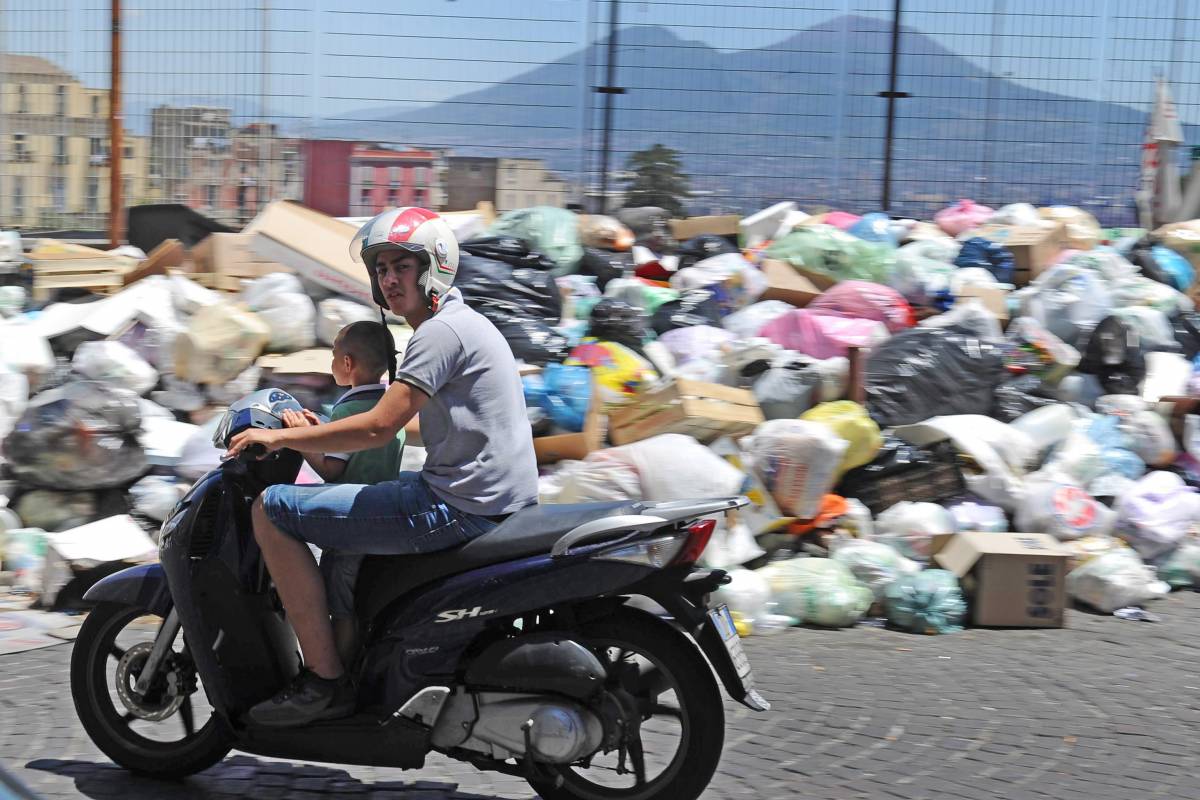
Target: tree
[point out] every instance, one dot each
(657, 180)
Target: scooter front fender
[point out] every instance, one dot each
(143, 586)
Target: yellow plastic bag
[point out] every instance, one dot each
(848, 420)
(619, 372)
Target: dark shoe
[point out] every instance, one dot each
(309, 698)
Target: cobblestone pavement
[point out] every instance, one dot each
(1104, 709)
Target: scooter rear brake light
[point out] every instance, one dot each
(698, 535)
(659, 552)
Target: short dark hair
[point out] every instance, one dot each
(368, 343)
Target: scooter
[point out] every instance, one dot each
(528, 650)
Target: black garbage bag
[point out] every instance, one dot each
(649, 225)
(531, 340)
(698, 248)
(694, 307)
(1020, 396)
(926, 372)
(903, 471)
(82, 435)
(605, 265)
(489, 284)
(509, 249)
(1187, 333)
(619, 322)
(1114, 355)
(1141, 255)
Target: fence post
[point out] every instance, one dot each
(892, 96)
(115, 121)
(608, 90)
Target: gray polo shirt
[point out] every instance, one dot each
(475, 428)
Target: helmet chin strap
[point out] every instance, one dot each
(389, 346)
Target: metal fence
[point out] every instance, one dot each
(358, 104)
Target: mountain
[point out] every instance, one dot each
(800, 119)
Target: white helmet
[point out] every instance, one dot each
(413, 230)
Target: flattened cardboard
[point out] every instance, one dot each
(786, 284)
(231, 254)
(683, 229)
(706, 411)
(1012, 580)
(314, 245)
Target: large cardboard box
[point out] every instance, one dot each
(316, 246)
(1011, 580)
(993, 299)
(231, 254)
(683, 229)
(703, 410)
(1034, 247)
(786, 284)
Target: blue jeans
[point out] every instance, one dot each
(348, 520)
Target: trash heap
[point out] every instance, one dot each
(973, 420)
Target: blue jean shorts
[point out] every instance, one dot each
(400, 517)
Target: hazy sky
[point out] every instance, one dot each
(324, 57)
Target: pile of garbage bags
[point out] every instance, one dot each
(874, 386)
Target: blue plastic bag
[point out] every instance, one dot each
(563, 392)
(874, 227)
(1176, 267)
(989, 255)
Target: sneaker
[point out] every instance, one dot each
(309, 698)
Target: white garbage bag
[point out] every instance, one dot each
(115, 364)
(746, 594)
(1062, 510)
(14, 394)
(746, 323)
(874, 563)
(280, 301)
(818, 591)
(910, 528)
(1156, 514)
(335, 313)
(674, 466)
(1113, 580)
(797, 461)
(730, 546)
(155, 495)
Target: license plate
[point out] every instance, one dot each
(722, 620)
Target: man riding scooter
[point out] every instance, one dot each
(460, 374)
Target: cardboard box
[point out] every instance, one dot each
(1011, 580)
(1034, 247)
(231, 254)
(574, 446)
(169, 253)
(316, 246)
(703, 410)
(993, 299)
(786, 284)
(683, 229)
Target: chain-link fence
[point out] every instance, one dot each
(354, 106)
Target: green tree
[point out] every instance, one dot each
(657, 180)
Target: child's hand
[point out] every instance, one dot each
(297, 419)
(312, 417)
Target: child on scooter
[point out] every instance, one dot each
(360, 356)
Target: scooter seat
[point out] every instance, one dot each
(529, 532)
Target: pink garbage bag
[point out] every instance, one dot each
(962, 216)
(842, 220)
(866, 300)
(823, 335)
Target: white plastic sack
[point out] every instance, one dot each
(730, 546)
(746, 594)
(910, 528)
(14, 394)
(1069, 301)
(739, 354)
(1046, 426)
(116, 364)
(1156, 514)
(695, 343)
(857, 521)
(970, 516)
(199, 455)
(874, 563)
(1000, 450)
(280, 301)
(1167, 375)
(970, 314)
(1150, 323)
(818, 591)
(154, 496)
(745, 280)
(747, 322)
(598, 478)
(335, 313)
(1150, 437)
(1113, 580)
(1016, 214)
(189, 296)
(797, 461)
(1062, 510)
(673, 466)
(25, 351)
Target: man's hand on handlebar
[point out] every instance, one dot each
(254, 442)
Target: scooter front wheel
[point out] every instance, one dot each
(168, 730)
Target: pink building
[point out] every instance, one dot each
(354, 179)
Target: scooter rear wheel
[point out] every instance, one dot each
(105, 665)
(684, 729)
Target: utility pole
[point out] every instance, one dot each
(608, 90)
(892, 96)
(115, 123)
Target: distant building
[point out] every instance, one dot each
(357, 179)
(54, 150)
(525, 182)
(470, 180)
